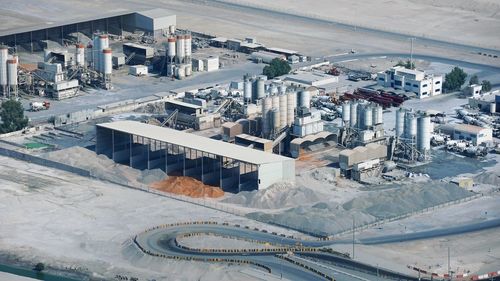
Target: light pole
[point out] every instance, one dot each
(412, 39)
(353, 236)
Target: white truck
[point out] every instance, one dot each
(37, 106)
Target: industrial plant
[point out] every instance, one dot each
(230, 140)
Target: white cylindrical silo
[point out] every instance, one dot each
(380, 115)
(374, 115)
(410, 125)
(283, 110)
(12, 71)
(80, 55)
(247, 90)
(346, 112)
(96, 53)
(187, 45)
(261, 93)
(171, 48)
(275, 102)
(493, 108)
(103, 44)
(305, 99)
(4, 56)
(107, 61)
(267, 105)
(400, 121)
(180, 48)
(291, 106)
(424, 133)
(275, 117)
(367, 116)
(354, 114)
(188, 70)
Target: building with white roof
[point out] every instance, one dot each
(416, 81)
(232, 167)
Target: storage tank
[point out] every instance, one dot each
(267, 105)
(400, 120)
(188, 70)
(180, 48)
(12, 71)
(424, 133)
(80, 55)
(346, 112)
(283, 110)
(96, 52)
(367, 116)
(276, 102)
(107, 59)
(275, 117)
(493, 108)
(290, 107)
(187, 45)
(171, 47)
(380, 114)
(260, 91)
(410, 126)
(103, 44)
(4, 54)
(247, 90)
(354, 114)
(305, 99)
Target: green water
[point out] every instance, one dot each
(32, 274)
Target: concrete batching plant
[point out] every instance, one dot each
(412, 139)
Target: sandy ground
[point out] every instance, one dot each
(67, 221)
(472, 22)
(475, 252)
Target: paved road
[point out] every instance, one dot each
(162, 241)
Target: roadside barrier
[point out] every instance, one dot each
(324, 275)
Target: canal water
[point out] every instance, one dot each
(32, 274)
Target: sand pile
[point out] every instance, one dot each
(407, 198)
(187, 186)
(329, 217)
(492, 178)
(102, 167)
(278, 195)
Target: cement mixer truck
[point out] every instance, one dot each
(37, 106)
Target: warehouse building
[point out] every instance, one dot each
(475, 134)
(33, 38)
(233, 168)
(416, 81)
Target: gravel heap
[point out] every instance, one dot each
(278, 195)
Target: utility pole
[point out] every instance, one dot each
(449, 269)
(411, 51)
(353, 233)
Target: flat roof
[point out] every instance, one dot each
(467, 128)
(253, 138)
(193, 141)
(284, 51)
(156, 13)
(185, 104)
(49, 24)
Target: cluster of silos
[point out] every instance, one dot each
(414, 129)
(8, 72)
(278, 109)
(361, 115)
(178, 54)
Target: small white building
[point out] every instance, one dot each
(477, 135)
(416, 81)
(138, 70)
(473, 90)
